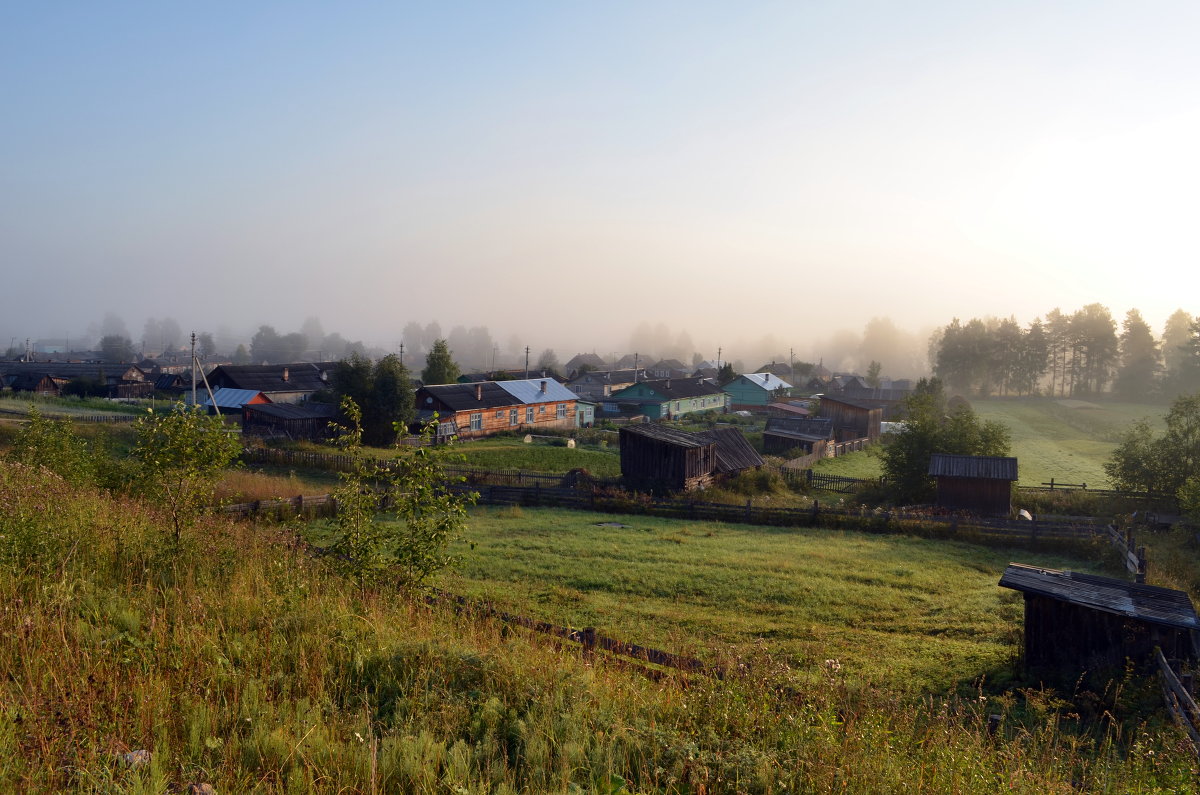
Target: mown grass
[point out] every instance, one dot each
(917, 615)
(540, 456)
(1065, 440)
(238, 659)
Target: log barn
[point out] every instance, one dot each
(810, 434)
(851, 419)
(982, 484)
(1079, 624)
(661, 458)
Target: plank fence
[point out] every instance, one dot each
(94, 418)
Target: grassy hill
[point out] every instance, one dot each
(1068, 440)
(238, 658)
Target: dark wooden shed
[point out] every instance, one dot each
(810, 434)
(661, 458)
(851, 419)
(295, 421)
(1081, 623)
(982, 484)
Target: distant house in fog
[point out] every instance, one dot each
(754, 391)
(280, 383)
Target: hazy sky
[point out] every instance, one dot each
(561, 171)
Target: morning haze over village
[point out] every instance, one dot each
(604, 398)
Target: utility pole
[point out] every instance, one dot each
(526, 361)
(402, 354)
(792, 364)
(193, 369)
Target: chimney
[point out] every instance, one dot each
(285, 374)
(668, 383)
(479, 392)
(543, 387)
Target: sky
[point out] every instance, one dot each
(560, 172)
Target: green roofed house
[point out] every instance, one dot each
(667, 398)
(755, 391)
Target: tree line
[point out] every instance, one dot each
(1070, 355)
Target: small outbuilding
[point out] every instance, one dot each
(1085, 624)
(662, 458)
(982, 484)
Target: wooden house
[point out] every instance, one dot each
(669, 368)
(791, 408)
(280, 383)
(851, 419)
(661, 458)
(585, 361)
(309, 420)
(117, 380)
(754, 391)
(982, 484)
(891, 400)
(667, 398)
(488, 407)
(1078, 624)
(600, 384)
(810, 434)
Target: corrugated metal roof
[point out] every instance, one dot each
(766, 380)
(227, 398)
(973, 466)
(1119, 597)
(531, 390)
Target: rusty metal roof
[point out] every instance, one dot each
(1119, 597)
(973, 466)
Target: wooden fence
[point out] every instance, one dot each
(110, 418)
(1133, 557)
(588, 639)
(1177, 693)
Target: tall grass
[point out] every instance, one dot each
(236, 658)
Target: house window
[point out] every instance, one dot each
(542, 409)
(514, 416)
(676, 405)
(562, 411)
(500, 414)
(529, 414)
(477, 421)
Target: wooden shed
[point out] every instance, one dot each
(657, 457)
(1079, 624)
(309, 420)
(978, 483)
(852, 419)
(810, 434)
(661, 458)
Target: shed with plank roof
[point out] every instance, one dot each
(1082, 623)
(978, 483)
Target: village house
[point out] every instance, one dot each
(600, 384)
(667, 398)
(669, 368)
(487, 407)
(225, 400)
(49, 378)
(279, 383)
(754, 391)
(585, 361)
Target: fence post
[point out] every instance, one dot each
(747, 511)
(1033, 530)
(588, 637)
(1140, 576)
(816, 508)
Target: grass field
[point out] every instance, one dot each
(1068, 440)
(513, 453)
(918, 615)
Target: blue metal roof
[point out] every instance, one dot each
(230, 398)
(537, 390)
(768, 381)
